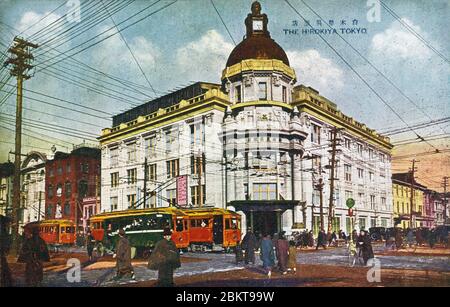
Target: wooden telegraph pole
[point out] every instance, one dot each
(334, 143)
(19, 60)
(411, 202)
(445, 184)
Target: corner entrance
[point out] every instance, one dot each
(264, 222)
(264, 216)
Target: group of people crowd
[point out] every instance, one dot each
(277, 247)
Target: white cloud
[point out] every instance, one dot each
(397, 41)
(33, 19)
(205, 58)
(316, 71)
(113, 56)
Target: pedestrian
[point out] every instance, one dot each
(5, 272)
(365, 245)
(34, 251)
(267, 254)
(292, 259)
(249, 245)
(419, 237)
(90, 243)
(333, 239)
(310, 239)
(275, 238)
(165, 258)
(410, 237)
(321, 239)
(398, 238)
(238, 252)
(432, 238)
(282, 252)
(123, 257)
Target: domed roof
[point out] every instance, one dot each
(257, 47)
(257, 44)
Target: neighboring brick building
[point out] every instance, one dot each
(69, 178)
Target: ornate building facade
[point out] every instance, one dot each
(251, 143)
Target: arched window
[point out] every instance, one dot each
(67, 208)
(68, 189)
(82, 188)
(49, 211)
(50, 191)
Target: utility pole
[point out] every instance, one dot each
(445, 184)
(19, 60)
(39, 207)
(411, 205)
(319, 187)
(334, 143)
(145, 182)
(199, 171)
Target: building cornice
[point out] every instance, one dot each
(314, 104)
(211, 100)
(254, 65)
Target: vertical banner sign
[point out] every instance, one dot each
(182, 190)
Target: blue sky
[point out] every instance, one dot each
(187, 42)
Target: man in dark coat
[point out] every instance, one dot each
(123, 257)
(34, 251)
(365, 245)
(166, 258)
(321, 239)
(282, 252)
(90, 243)
(249, 245)
(267, 254)
(398, 238)
(5, 272)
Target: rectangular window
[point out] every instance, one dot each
(131, 152)
(347, 143)
(360, 149)
(114, 156)
(151, 175)
(150, 146)
(131, 176)
(131, 200)
(382, 157)
(372, 202)
(371, 176)
(362, 223)
(262, 93)
(383, 202)
(171, 196)
(68, 169)
(361, 199)
(197, 133)
(170, 139)
(383, 222)
(348, 172)
(264, 191)
(84, 168)
(197, 161)
(284, 94)
(315, 135)
(373, 222)
(173, 168)
(360, 173)
(195, 195)
(114, 179)
(238, 93)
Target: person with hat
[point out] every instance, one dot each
(5, 242)
(165, 258)
(34, 251)
(249, 244)
(123, 257)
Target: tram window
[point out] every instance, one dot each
(63, 229)
(227, 224)
(204, 223)
(179, 226)
(185, 225)
(234, 224)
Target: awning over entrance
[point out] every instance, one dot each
(263, 205)
(264, 216)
